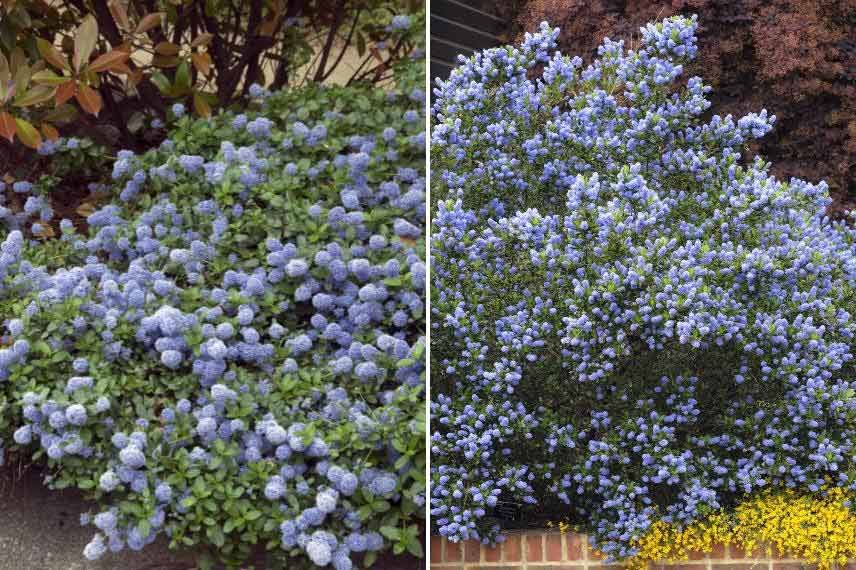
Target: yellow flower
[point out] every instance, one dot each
(819, 529)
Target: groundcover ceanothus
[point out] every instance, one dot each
(231, 355)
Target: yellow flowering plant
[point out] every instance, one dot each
(817, 528)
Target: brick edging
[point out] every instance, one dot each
(554, 550)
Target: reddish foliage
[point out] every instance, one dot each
(796, 58)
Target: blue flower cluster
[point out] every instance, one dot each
(633, 321)
(28, 205)
(233, 353)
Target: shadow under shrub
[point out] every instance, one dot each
(631, 322)
(233, 355)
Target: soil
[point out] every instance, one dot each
(40, 530)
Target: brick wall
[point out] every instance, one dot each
(570, 551)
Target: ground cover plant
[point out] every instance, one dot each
(818, 530)
(106, 76)
(633, 322)
(229, 351)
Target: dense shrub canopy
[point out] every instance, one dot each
(628, 315)
(233, 354)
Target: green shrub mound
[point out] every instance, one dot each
(230, 354)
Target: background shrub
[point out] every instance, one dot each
(630, 316)
(133, 59)
(231, 353)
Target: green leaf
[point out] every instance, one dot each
(28, 134)
(401, 461)
(215, 534)
(203, 109)
(48, 77)
(205, 561)
(161, 81)
(51, 54)
(414, 547)
(182, 78)
(85, 39)
(64, 114)
(22, 77)
(38, 94)
(308, 434)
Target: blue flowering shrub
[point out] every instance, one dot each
(232, 355)
(632, 320)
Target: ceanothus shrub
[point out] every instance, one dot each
(232, 355)
(631, 320)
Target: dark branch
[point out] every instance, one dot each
(344, 47)
(328, 44)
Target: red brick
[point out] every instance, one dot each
(553, 546)
(748, 565)
(534, 548)
(777, 554)
(436, 549)
(511, 548)
(453, 552)
(734, 551)
(793, 566)
(472, 551)
(696, 555)
(717, 551)
(593, 554)
(492, 553)
(575, 546)
(737, 552)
